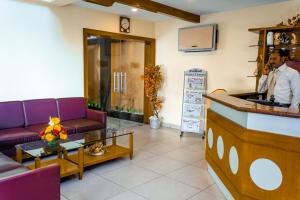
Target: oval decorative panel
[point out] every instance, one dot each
(265, 174)
(210, 138)
(233, 160)
(220, 147)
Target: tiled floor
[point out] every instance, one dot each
(164, 167)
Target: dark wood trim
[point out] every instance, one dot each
(152, 6)
(116, 35)
(149, 58)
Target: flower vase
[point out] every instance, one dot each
(52, 146)
(154, 122)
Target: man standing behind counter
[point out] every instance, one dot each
(282, 83)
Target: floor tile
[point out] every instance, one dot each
(142, 155)
(128, 195)
(201, 164)
(160, 164)
(205, 196)
(193, 176)
(184, 155)
(214, 190)
(91, 187)
(188, 139)
(198, 147)
(130, 176)
(161, 147)
(165, 188)
(110, 165)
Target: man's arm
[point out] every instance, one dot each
(295, 87)
(262, 84)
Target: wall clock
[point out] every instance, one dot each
(124, 24)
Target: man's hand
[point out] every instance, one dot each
(266, 69)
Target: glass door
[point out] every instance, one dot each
(131, 93)
(115, 82)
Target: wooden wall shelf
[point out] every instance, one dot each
(276, 28)
(255, 45)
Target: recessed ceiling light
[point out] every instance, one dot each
(49, 1)
(134, 9)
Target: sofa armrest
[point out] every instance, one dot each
(42, 183)
(97, 116)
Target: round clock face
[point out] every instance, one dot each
(125, 23)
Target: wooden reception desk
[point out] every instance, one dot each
(252, 150)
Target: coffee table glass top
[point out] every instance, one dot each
(91, 137)
(37, 148)
(74, 141)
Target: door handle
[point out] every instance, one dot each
(115, 85)
(125, 82)
(121, 81)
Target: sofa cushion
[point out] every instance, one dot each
(40, 127)
(38, 111)
(7, 163)
(11, 114)
(12, 172)
(84, 125)
(71, 108)
(13, 136)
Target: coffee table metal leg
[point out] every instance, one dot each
(37, 162)
(80, 162)
(19, 155)
(130, 145)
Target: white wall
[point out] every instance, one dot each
(227, 67)
(42, 47)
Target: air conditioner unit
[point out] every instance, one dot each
(198, 38)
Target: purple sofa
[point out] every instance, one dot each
(18, 182)
(22, 121)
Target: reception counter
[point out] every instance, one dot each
(252, 150)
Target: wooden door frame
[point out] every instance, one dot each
(149, 58)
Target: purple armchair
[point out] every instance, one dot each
(42, 183)
(18, 182)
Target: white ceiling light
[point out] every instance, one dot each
(134, 9)
(60, 2)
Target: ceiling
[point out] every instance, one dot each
(199, 7)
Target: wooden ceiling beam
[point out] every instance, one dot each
(152, 6)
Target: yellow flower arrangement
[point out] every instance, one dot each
(55, 131)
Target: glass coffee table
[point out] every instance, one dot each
(96, 139)
(40, 152)
(78, 151)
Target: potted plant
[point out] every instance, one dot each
(115, 112)
(137, 116)
(153, 80)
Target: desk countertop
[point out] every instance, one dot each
(231, 100)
